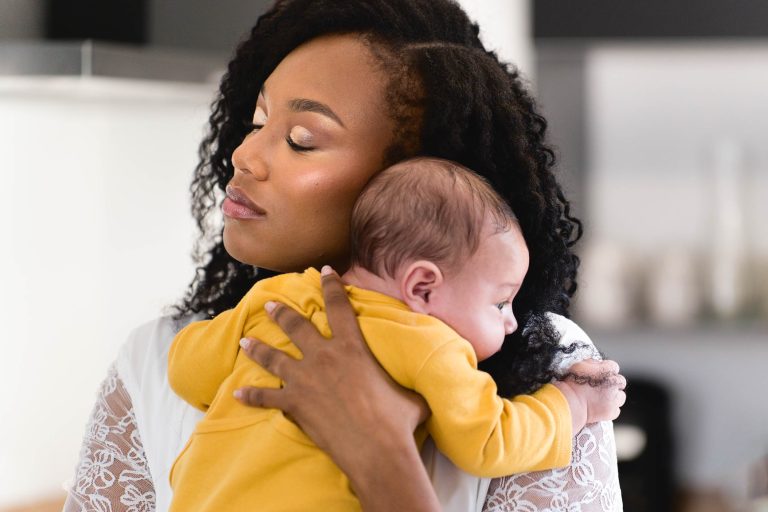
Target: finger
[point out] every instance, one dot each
(614, 381)
(595, 369)
(622, 398)
(598, 365)
(341, 316)
(424, 411)
(298, 329)
(261, 397)
(619, 402)
(610, 366)
(271, 359)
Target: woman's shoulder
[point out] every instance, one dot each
(143, 357)
(568, 329)
(149, 340)
(572, 334)
(147, 345)
(142, 360)
(164, 421)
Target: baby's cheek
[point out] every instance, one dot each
(499, 339)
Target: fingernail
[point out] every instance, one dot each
(326, 270)
(245, 343)
(270, 306)
(238, 394)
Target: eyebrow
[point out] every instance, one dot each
(307, 105)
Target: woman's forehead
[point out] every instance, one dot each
(337, 72)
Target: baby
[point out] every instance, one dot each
(437, 258)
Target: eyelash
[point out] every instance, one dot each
(501, 305)
(253, 127)
(296, 147)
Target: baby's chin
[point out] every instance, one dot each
(487, 352)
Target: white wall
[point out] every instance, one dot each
(21, 19)
(505, 27)
(657, 114)
(96, 236)
(662, 119)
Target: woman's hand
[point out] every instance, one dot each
(347, 404)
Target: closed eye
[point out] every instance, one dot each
(258, 120)
(253, 127)
(296, 146)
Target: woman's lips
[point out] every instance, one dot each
(238, 206)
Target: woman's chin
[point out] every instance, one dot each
(246, 255)
(243, 251)
(278, 255)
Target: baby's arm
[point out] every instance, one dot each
(489, 436)
(203, 354)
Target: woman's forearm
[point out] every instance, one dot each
(113, 472)
(392, 479)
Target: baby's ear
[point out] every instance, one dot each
(418, 283)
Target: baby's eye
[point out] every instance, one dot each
(502, 305)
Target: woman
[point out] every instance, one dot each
(323, 95)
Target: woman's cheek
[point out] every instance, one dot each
(336, 194)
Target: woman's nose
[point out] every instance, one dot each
(249, 157)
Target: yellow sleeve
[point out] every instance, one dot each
(203, 354)
(484, 434)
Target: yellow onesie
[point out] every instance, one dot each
(244, 458)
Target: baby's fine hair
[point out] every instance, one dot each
(424, 209)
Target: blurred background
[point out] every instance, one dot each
(658, 111)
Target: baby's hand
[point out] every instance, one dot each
(595, 391)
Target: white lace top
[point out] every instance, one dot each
(138, 426)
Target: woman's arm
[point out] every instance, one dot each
(112, 473)
(591, 482)
(348, 405)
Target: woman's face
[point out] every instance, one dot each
(320, 133)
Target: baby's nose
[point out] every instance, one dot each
(510, 324)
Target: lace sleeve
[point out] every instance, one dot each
(112, 474)
(589, 484)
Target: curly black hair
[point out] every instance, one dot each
(471, 108)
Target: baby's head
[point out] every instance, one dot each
(446, 244)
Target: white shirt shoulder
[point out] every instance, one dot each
(164, 420)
